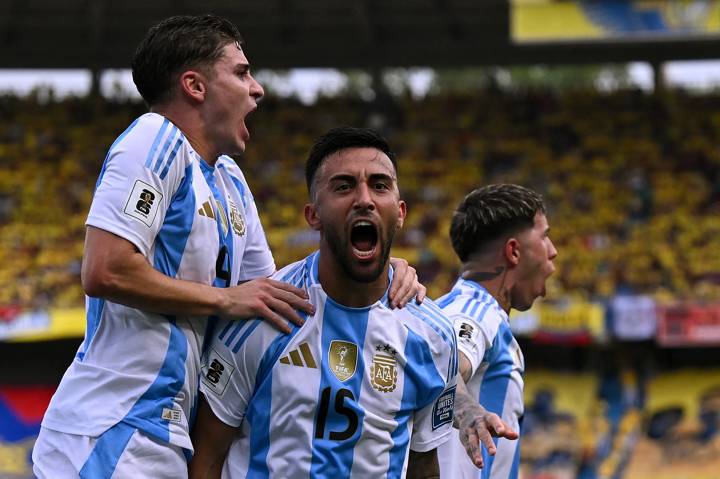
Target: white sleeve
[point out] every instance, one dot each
(257, 261)
(228, 377)
(473, 338)
(433, 423)
(131, 199)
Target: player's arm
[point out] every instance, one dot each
(114, 269)
(475, 424)
(423, 465)
(405, 284)
(211, 439)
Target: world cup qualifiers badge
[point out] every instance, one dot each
(383, 372)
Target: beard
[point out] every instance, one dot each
(339, 249)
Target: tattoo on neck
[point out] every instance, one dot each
(480, 276)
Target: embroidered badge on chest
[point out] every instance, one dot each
(342, 358)
(236, 219)
(383, 372)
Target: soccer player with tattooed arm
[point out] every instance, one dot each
(361, 389)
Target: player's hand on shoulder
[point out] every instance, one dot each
(275, 301)
(405, 284)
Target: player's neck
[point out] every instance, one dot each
(346, 291)
(496, 279)
(190, 124)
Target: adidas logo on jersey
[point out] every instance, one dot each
(297, 355)
(207, 210)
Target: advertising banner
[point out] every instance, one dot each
(633, 317)
(594, 20)
(561, 322)
(689, 325)
(42, 325)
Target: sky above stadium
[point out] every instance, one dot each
(307, 84)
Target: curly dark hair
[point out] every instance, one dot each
(492, 212)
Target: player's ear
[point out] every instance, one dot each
(402, 213)
(512, 251)
(193, 85)
(311, 217)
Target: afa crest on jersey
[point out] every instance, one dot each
(236, 219)
(383, 372)
(342, 358)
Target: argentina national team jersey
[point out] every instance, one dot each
(348, 394)
(484, 337)
(192, 222)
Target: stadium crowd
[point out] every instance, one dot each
(632, 180)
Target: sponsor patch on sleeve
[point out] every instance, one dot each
(143, 202)
(216, 373)
(443, 408)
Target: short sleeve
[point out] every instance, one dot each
(142, 171)
(433, 423)
(229, 370)
(473, 338)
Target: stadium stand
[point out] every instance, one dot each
(611, 165)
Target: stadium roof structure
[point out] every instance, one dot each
(100, 34)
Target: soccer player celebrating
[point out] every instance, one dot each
(500, 233)
(173, 238)
(361, 389)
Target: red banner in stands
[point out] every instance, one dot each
(689, 325)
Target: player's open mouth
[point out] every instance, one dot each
(364, 238)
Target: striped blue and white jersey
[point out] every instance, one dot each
(348, 394)
(192, 222)
(484, 337)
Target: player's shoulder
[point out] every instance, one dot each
(231, 168)
(154, 141)
(230, 165)
(150, 130)
(246, 338)
(428, 313)
(471, 302)
(294, 273)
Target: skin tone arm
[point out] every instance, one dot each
(114, 269)
(423, 465)
(476, 425)
(211, 439)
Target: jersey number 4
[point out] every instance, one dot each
(341, 409)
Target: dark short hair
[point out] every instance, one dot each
(492, 212)
(176, 44)
(339, 139)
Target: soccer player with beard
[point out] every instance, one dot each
(501, 235)
(360, 389)
(173, 240)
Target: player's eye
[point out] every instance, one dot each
(380, 185)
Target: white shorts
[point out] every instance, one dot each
(120, 452)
